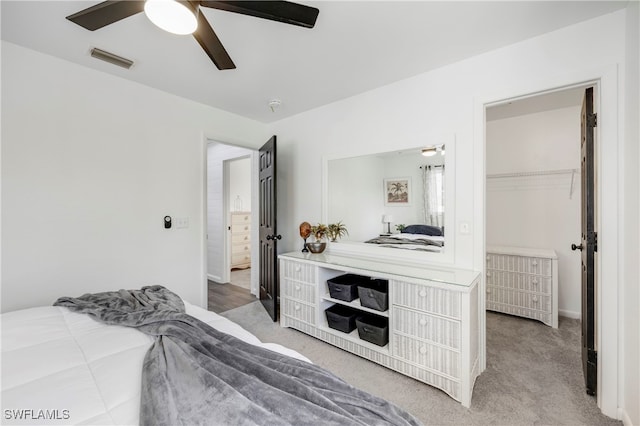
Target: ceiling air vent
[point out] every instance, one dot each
(114, 59)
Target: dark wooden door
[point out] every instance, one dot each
(588, 244)
(268, 276)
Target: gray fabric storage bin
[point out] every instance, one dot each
(345, 287)
(374, 294)
(373, 329)
(341, 318)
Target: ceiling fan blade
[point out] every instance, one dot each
(105, 13)
(281, 11)
(212, 44)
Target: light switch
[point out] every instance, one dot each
(465, 228)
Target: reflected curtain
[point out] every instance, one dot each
(433, 195)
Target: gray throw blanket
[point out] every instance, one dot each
(194, 374)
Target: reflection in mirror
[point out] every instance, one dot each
(394, 199)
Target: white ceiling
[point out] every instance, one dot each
(533, 104)
(355, 46)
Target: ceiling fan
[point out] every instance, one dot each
(111, 11)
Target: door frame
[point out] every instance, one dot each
(608, 214)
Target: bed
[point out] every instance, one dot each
(413, 237)
(66, 367)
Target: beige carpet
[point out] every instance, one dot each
(533, 374)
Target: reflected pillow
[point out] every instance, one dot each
(424, 230)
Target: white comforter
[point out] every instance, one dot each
(59, 367)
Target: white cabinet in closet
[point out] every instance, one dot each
(433, 316)
(240, 240)
(523, 282)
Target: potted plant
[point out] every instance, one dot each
(319, 231)
(400, 227)
(336, 230)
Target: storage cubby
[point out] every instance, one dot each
(428, 330)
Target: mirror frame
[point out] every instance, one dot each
(353, 248)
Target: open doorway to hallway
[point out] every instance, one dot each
(231, 257)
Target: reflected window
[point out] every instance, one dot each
(433, 195)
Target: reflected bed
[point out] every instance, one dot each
(413, 237)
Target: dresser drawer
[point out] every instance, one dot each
(528, 265)
(239, 228)
(300, 272)
(299, 291)
(517, 281)
(241, 237)
(240, 219)
(427, 327)
(241, 248)
(443, 360)
(299, 311)
(521, 299)
(425, 298)
(240, 258)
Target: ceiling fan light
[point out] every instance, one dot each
(177, 17)
(429, 152)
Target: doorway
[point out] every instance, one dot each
(533, 211)
(608, 217)
(231, 175)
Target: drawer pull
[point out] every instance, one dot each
(298, 268)
(422, 350)
(422, 321)
(534, 263)
(296, 307)
(422, 293)
(297, 287)
(534, 281)
(535, 299)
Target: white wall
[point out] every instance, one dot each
(217, 155)
(631, 293)
(91, 164)
(538, 211)
(445, 102)
(240, 185)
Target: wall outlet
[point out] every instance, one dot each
(181, 222)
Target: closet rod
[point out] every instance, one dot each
(536, 173)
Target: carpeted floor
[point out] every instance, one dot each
(533, 375)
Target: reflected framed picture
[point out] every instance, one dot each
(397, 191)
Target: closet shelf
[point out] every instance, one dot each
(572, 172)
(534, 173)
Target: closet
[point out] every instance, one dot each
(533, 207)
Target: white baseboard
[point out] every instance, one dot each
(624, 416)
(214, 278)
(569, 314)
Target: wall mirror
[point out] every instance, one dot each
(374, 194)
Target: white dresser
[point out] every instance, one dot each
(240, 239)
(433, 316)
(523, 282)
